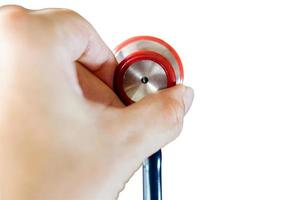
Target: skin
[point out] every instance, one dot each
(64, 134)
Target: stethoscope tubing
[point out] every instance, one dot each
(152, 170)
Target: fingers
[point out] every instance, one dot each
(157, 119)
(66, 32)
(81, 42)
(95, 90)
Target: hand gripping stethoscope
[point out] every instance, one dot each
(146, 65)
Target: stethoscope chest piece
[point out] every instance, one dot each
(145, 65)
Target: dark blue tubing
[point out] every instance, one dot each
(152, 177)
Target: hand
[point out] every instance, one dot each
(64, 134)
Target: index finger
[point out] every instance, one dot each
(82, 42)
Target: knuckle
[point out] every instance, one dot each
(12, 8)
(67, 12)
(13, 19)
(22, 30)
(12, 13)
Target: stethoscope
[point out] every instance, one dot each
(146, 65)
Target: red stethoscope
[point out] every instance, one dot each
(146, 65)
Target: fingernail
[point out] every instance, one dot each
(188, 98)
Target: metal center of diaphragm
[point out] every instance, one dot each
(143, 78)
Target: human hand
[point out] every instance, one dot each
(64, 134)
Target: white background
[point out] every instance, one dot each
(241, 139)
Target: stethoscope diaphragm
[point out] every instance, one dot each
(145, 65)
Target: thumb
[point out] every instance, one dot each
(158, 118)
